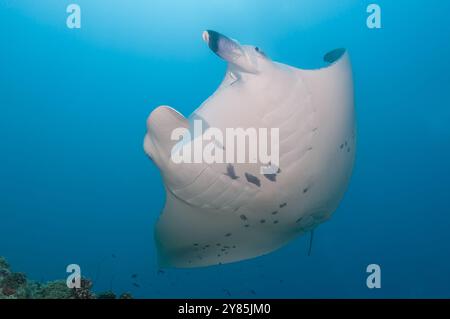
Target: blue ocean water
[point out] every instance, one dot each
(76, 187)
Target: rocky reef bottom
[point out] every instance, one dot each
(14, 285)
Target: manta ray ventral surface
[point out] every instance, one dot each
(226, 212)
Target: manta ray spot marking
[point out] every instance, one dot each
(253, 179)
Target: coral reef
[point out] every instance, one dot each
(126, 295)
(12, 285)
(53, 290)
(107, 295)
(84, 292)
(3, 263)
(15, 285)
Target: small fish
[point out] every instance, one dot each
(161, 272)
(134, 276)
(253, 292)
(136, 285)
(227, 292)
(113, 256)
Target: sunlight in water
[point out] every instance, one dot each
(172, 26)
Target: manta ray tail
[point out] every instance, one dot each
(310, 242)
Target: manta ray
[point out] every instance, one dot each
(217, 213)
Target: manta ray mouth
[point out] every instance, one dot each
(221, 45)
